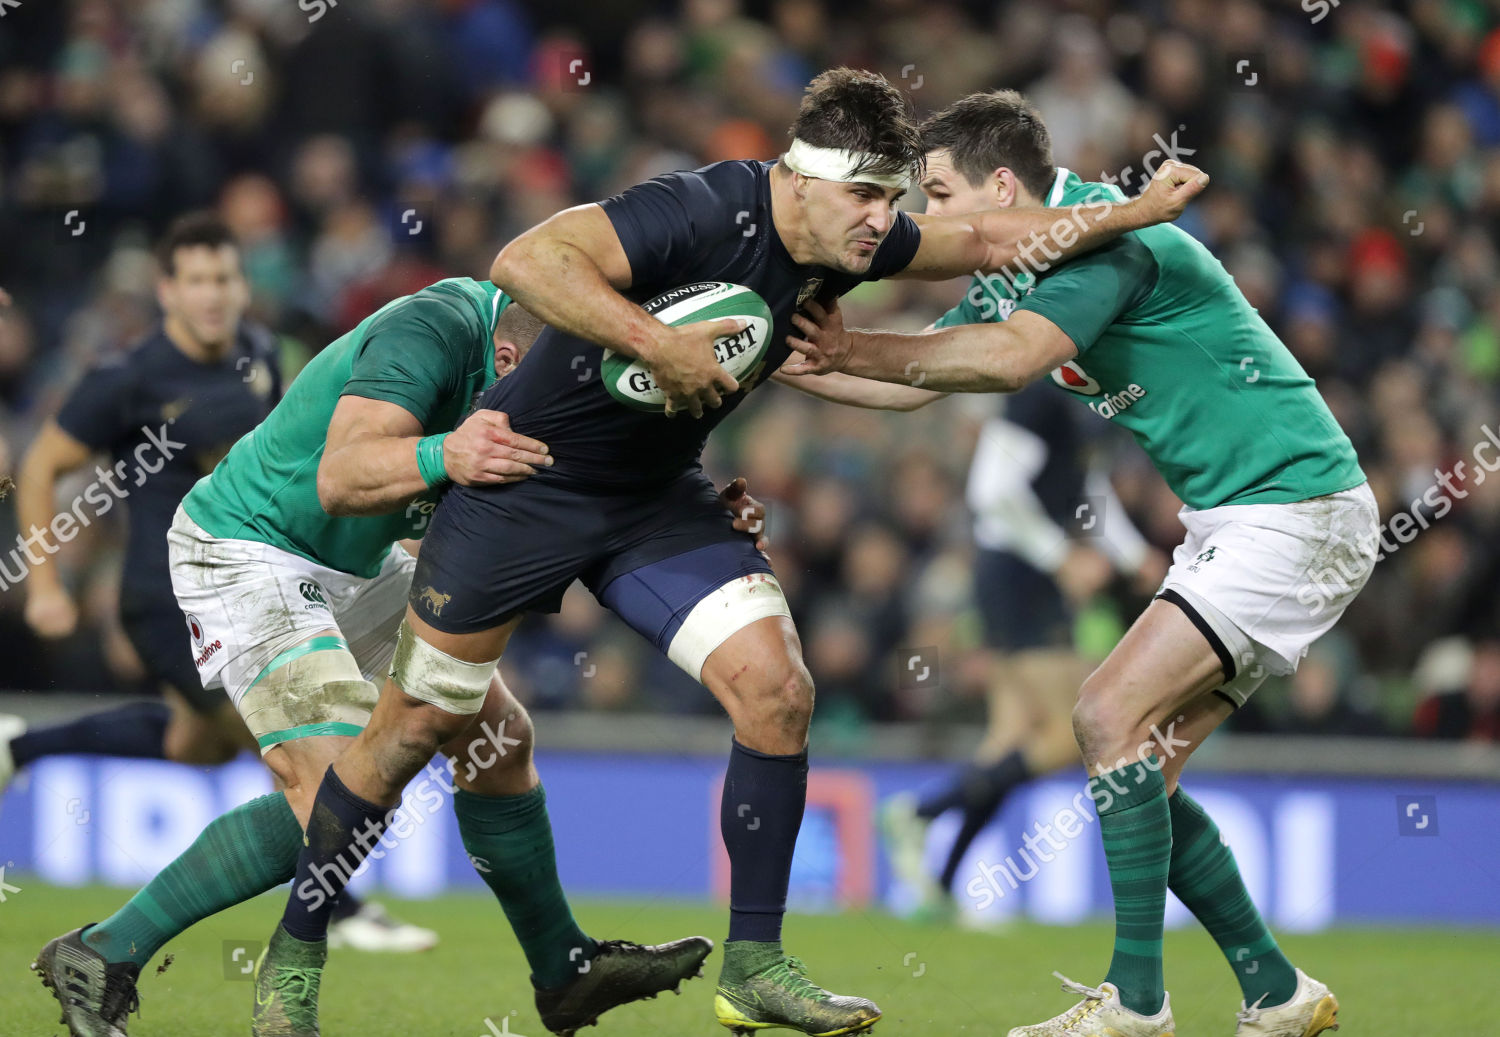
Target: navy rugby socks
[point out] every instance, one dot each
(759, 818)
(341, 833)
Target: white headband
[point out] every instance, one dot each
(838, 164)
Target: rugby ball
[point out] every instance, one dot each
(630, 381)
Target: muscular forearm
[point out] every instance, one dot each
(562, 286)
(853, 391)
(967, 358)
(1035, 240)
(370, 477)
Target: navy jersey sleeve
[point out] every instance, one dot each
(897, 250)
(663, 223)
(95, 413)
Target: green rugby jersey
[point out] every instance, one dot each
(430, 353)
(1170, 349)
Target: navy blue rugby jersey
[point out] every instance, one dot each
(165, 420)
(711, 224)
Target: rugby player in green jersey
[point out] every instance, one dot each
(1148, 331)
(294, 612)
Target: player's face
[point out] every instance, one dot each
(949, 192)
(206, 293)
(847, 222)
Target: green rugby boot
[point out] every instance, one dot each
(761, 987)
(95, 996)
(619, 972)
(287, 975)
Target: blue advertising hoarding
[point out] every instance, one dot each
(1315, 852)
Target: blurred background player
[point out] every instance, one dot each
(1049, 533)
(165, 412)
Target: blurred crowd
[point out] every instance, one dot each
(362, 150)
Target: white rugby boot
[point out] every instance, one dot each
(1312, 1010)
(372, 928)
(1100, 1014)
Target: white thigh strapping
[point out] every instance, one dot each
(721, 615)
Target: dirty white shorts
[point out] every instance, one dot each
(252, 608)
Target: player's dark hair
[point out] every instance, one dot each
(855, 110)
(985, 131)
(190, 231)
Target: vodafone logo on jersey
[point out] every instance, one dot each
(1072, 377)
(1075, 379)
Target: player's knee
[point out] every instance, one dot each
(1111, 735)
(424, 728)
(493, 757)
(784, 706)
(1099, 728)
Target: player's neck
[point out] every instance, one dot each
(189, 345)
(787, 221)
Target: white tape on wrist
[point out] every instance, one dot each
(840, 165)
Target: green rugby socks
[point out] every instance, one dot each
(509, 842)
(1137, 829)
(241, 854)
(1206, 879)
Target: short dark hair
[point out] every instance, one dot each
(189, 231)
(985, 131)
(855, 110)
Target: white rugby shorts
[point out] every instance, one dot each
(1264, 581)
(248, 603)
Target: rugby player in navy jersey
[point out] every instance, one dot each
(165, 412)
(627, 509)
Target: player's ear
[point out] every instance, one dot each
(1004, 182)
(507, 356)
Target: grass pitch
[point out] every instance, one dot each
(931, 982)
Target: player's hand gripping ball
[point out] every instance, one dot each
(739, 353)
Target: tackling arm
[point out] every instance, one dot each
(1035, 240)
(853, 391)
(967, 358)
(369, 466)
